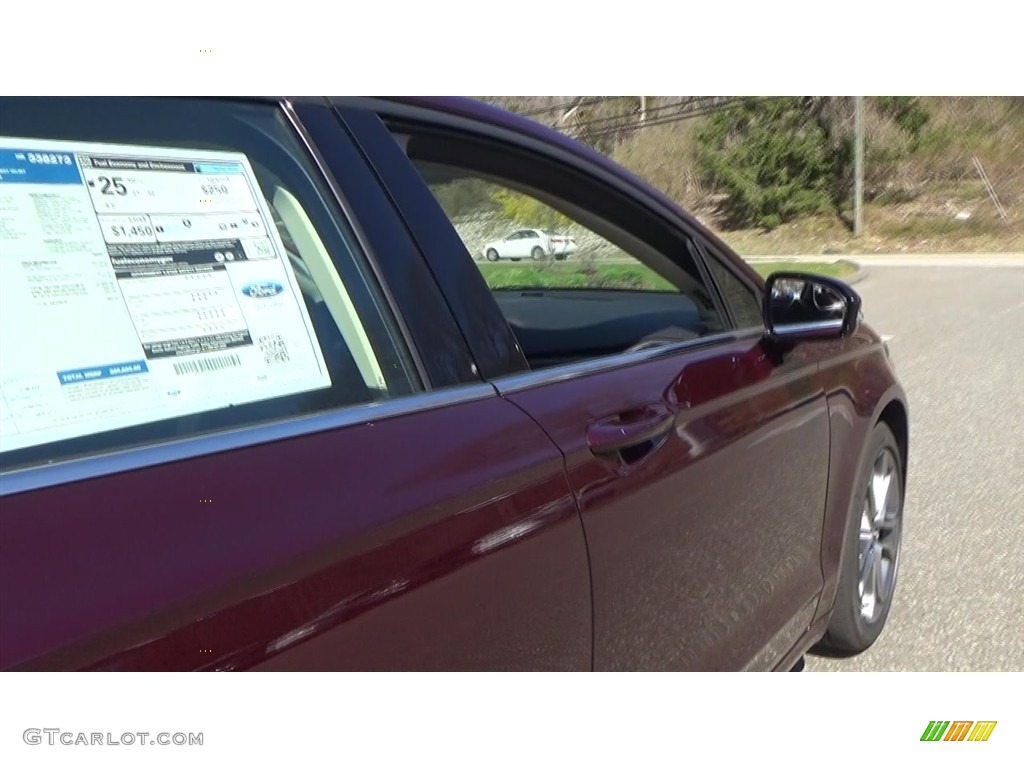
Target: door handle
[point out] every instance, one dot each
(630, 429)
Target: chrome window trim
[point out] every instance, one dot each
(517, 382)
(782, 331)
(89, 467)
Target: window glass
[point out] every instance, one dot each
(570, 255)
(179, 276)
(743, 302)
(591, 280)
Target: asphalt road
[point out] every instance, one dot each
(959, 350)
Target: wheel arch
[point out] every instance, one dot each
(852, 424)
(894, 415)
(891, 411)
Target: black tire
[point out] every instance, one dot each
(857, 620)
(492, 255)
(537, 253)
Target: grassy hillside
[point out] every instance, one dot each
(924, 191)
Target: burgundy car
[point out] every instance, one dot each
(265, 405)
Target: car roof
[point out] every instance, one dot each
(462, 107)
(490, 115)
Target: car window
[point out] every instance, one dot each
(605, 282)
(744, 304)
(179, 277)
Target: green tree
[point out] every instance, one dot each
(907, 112)
(528, 211)
(774, 158)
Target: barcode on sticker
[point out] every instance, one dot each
(275, 352)
(207, 364)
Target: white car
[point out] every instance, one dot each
(530, 244)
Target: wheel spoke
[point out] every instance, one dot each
(876, 575)
(878, 536)
(867, 527)
(888, 524)
(884, 578)
(881, 481)
(890, 541)
(870, 574)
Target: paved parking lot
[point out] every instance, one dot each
(959, 349)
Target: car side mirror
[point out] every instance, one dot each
(801, 306)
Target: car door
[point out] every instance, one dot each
(508, 245)
(698, 457)
(517, 244)
(246, 432)
(531, 240)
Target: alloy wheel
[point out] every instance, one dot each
(879, 538)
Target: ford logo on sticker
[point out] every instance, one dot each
(263, 290)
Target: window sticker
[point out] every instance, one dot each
(137, 284)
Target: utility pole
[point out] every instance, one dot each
(858, 171)
(643, 110)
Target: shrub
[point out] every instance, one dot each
(906, 111)
(774, 159)
(528, 211)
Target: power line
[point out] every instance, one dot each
(608, 125)
(579, 102)
(689, 111)
(626, 115)
(690, 107)
(683, 107)
(596, 100)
